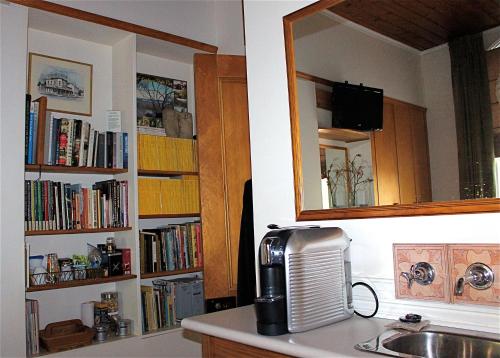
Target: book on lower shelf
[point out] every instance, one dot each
(167, 302)
(32, 328)
(53, 205)
(171, 248)
(54, 140)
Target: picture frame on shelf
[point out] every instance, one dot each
(67, 84)
(156, 96)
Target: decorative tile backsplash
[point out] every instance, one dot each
(407, 255)
(450, 262)
(461, 257)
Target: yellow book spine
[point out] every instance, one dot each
(156, 196)
(142, 200)
(165, 197)
(162, 153)
(140, 160)
(156, 143)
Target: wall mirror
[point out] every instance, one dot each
(426, 146)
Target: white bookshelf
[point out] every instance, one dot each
(116, 56)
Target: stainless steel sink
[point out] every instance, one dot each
(432, 344)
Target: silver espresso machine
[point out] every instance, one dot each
(305, 279)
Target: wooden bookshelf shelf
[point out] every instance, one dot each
(159, 216)
(79, 231)
(72, 170)
(77, 283)
(171, 273)
(163, 173)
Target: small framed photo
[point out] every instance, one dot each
(66, 84)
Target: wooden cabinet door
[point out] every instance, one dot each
(224, 164)
(386, 160)
(421, 164)
(404, 149)
(401, 155)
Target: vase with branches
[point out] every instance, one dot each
(355, 177)
(334, 176)
(351, 174)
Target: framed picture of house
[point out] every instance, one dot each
(66, 84)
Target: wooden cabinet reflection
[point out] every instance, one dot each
(401, 156)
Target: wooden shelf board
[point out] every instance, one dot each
(79, 231)
(159, 216)
(163, 173)
(78, 283)
(76, 170)
(344, 135)
(171, 273)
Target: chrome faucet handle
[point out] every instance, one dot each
(409, 277)
(478, 276)
(422, 273)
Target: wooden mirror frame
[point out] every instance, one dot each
(430, 208)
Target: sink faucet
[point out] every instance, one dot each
(478, 276)
(422, 273)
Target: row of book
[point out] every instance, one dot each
(62, 206)
(169, 196)
(167, 302)
(166, 153)
(70, 142)
(173, 247)
(32, 328)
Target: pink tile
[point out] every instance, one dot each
(406, 255)
(461, 256)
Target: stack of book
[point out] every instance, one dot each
(70, 142)
(169, 196)
(167, 302)
(174, 247)
(32, 328)
(166, 153)
(62, 206)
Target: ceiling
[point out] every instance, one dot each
(422, 24)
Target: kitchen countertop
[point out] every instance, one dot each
(336, 340)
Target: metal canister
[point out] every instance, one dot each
(124, 327)
(102, 332)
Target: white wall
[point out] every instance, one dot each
(343, 53)
(216, 22)
(372, 238)
(229, 27)
(438, 99)
(13, 23)
(189, 18)
(311, 169)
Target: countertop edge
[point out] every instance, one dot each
(269, 343)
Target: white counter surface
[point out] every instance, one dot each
(336, 340)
